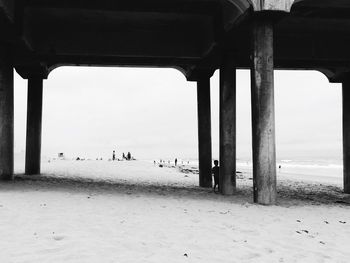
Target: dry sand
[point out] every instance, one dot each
(99, 211)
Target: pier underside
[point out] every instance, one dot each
(189, 35)
(194, 36)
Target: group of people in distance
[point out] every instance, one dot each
(162, 161)
(127, 157)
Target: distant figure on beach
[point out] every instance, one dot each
(175, 161)
(128, 156)
(215, 171)
(279, 167)
(113, 156)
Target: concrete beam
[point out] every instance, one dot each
(204, 131)
(323, 4)
(165, 44)
(227, 184)
(263, 114)
(184, 7)
(33, 71)
(34, 118)
(6, 115)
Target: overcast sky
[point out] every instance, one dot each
(152, 113)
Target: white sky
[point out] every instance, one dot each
(152, 113)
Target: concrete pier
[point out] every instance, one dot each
(263, 115)
(346, 135)
(6, 115)
(227, 183)
(34, 117)
(204, 131)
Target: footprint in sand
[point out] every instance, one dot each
(251, 256)
(58, 237)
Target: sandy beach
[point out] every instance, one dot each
(100, 211)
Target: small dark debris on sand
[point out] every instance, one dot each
(189, 170)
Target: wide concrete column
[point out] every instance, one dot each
(34, 116)
(204, 131)
(227, 183)
(6, 115)
(346, 135)
(263, 114)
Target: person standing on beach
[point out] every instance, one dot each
(175, 161)
(113, 155)
(215, 172)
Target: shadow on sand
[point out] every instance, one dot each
(290, 193)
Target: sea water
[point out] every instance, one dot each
(318, 170)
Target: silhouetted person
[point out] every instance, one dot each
(216, 171)
(175, 161)
(113, 156)
(128, 156)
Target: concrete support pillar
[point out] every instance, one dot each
(263, 114)
(227, 184)
(204, 131)
(346, 135)
(6, 115)
(34, 116)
